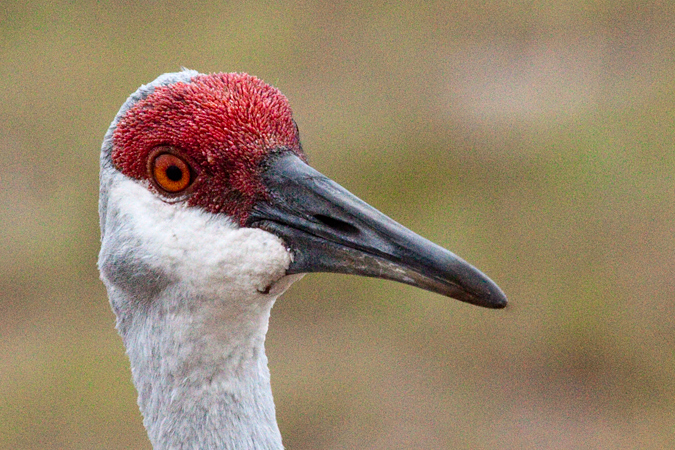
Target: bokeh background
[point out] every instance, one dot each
(535, 139)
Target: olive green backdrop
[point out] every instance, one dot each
(534, 139)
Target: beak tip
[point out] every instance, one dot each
(499, 303)
(497, 299)
(489, 296)
(490, 302)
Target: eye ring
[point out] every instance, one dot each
(170, 171)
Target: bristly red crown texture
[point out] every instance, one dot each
(225, 123)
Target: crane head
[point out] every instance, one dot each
(204, 176)
(215, 133)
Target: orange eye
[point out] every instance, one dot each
(171, 173)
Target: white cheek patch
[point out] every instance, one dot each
(208, 251)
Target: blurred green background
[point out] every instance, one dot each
(534, 139)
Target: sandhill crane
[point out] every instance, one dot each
(209, 212)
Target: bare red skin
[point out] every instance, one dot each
(226, 124)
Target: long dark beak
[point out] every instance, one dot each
(328, 229)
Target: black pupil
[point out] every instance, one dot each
(174, 173)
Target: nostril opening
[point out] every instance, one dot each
(337, 224)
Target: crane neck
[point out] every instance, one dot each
(202, 375)
(192, 293)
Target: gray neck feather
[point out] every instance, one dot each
(200, 385)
